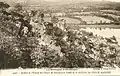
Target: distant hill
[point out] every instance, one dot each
(65, 3)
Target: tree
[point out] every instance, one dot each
(18, 7)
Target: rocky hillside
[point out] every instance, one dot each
(52, 47)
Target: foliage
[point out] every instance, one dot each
(67, 49)
(18, 6)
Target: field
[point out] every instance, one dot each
(93, 19)
(111, 11)
(81, 13)
(68, 20)
(112, 15)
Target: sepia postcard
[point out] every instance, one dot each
(59, 37)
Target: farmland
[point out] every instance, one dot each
(93, 19)
(114, 12)
(83, 18)
(68, 20)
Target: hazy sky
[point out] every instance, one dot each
(115, 0)
(65, 0)
(83, 0)
(38, 1)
